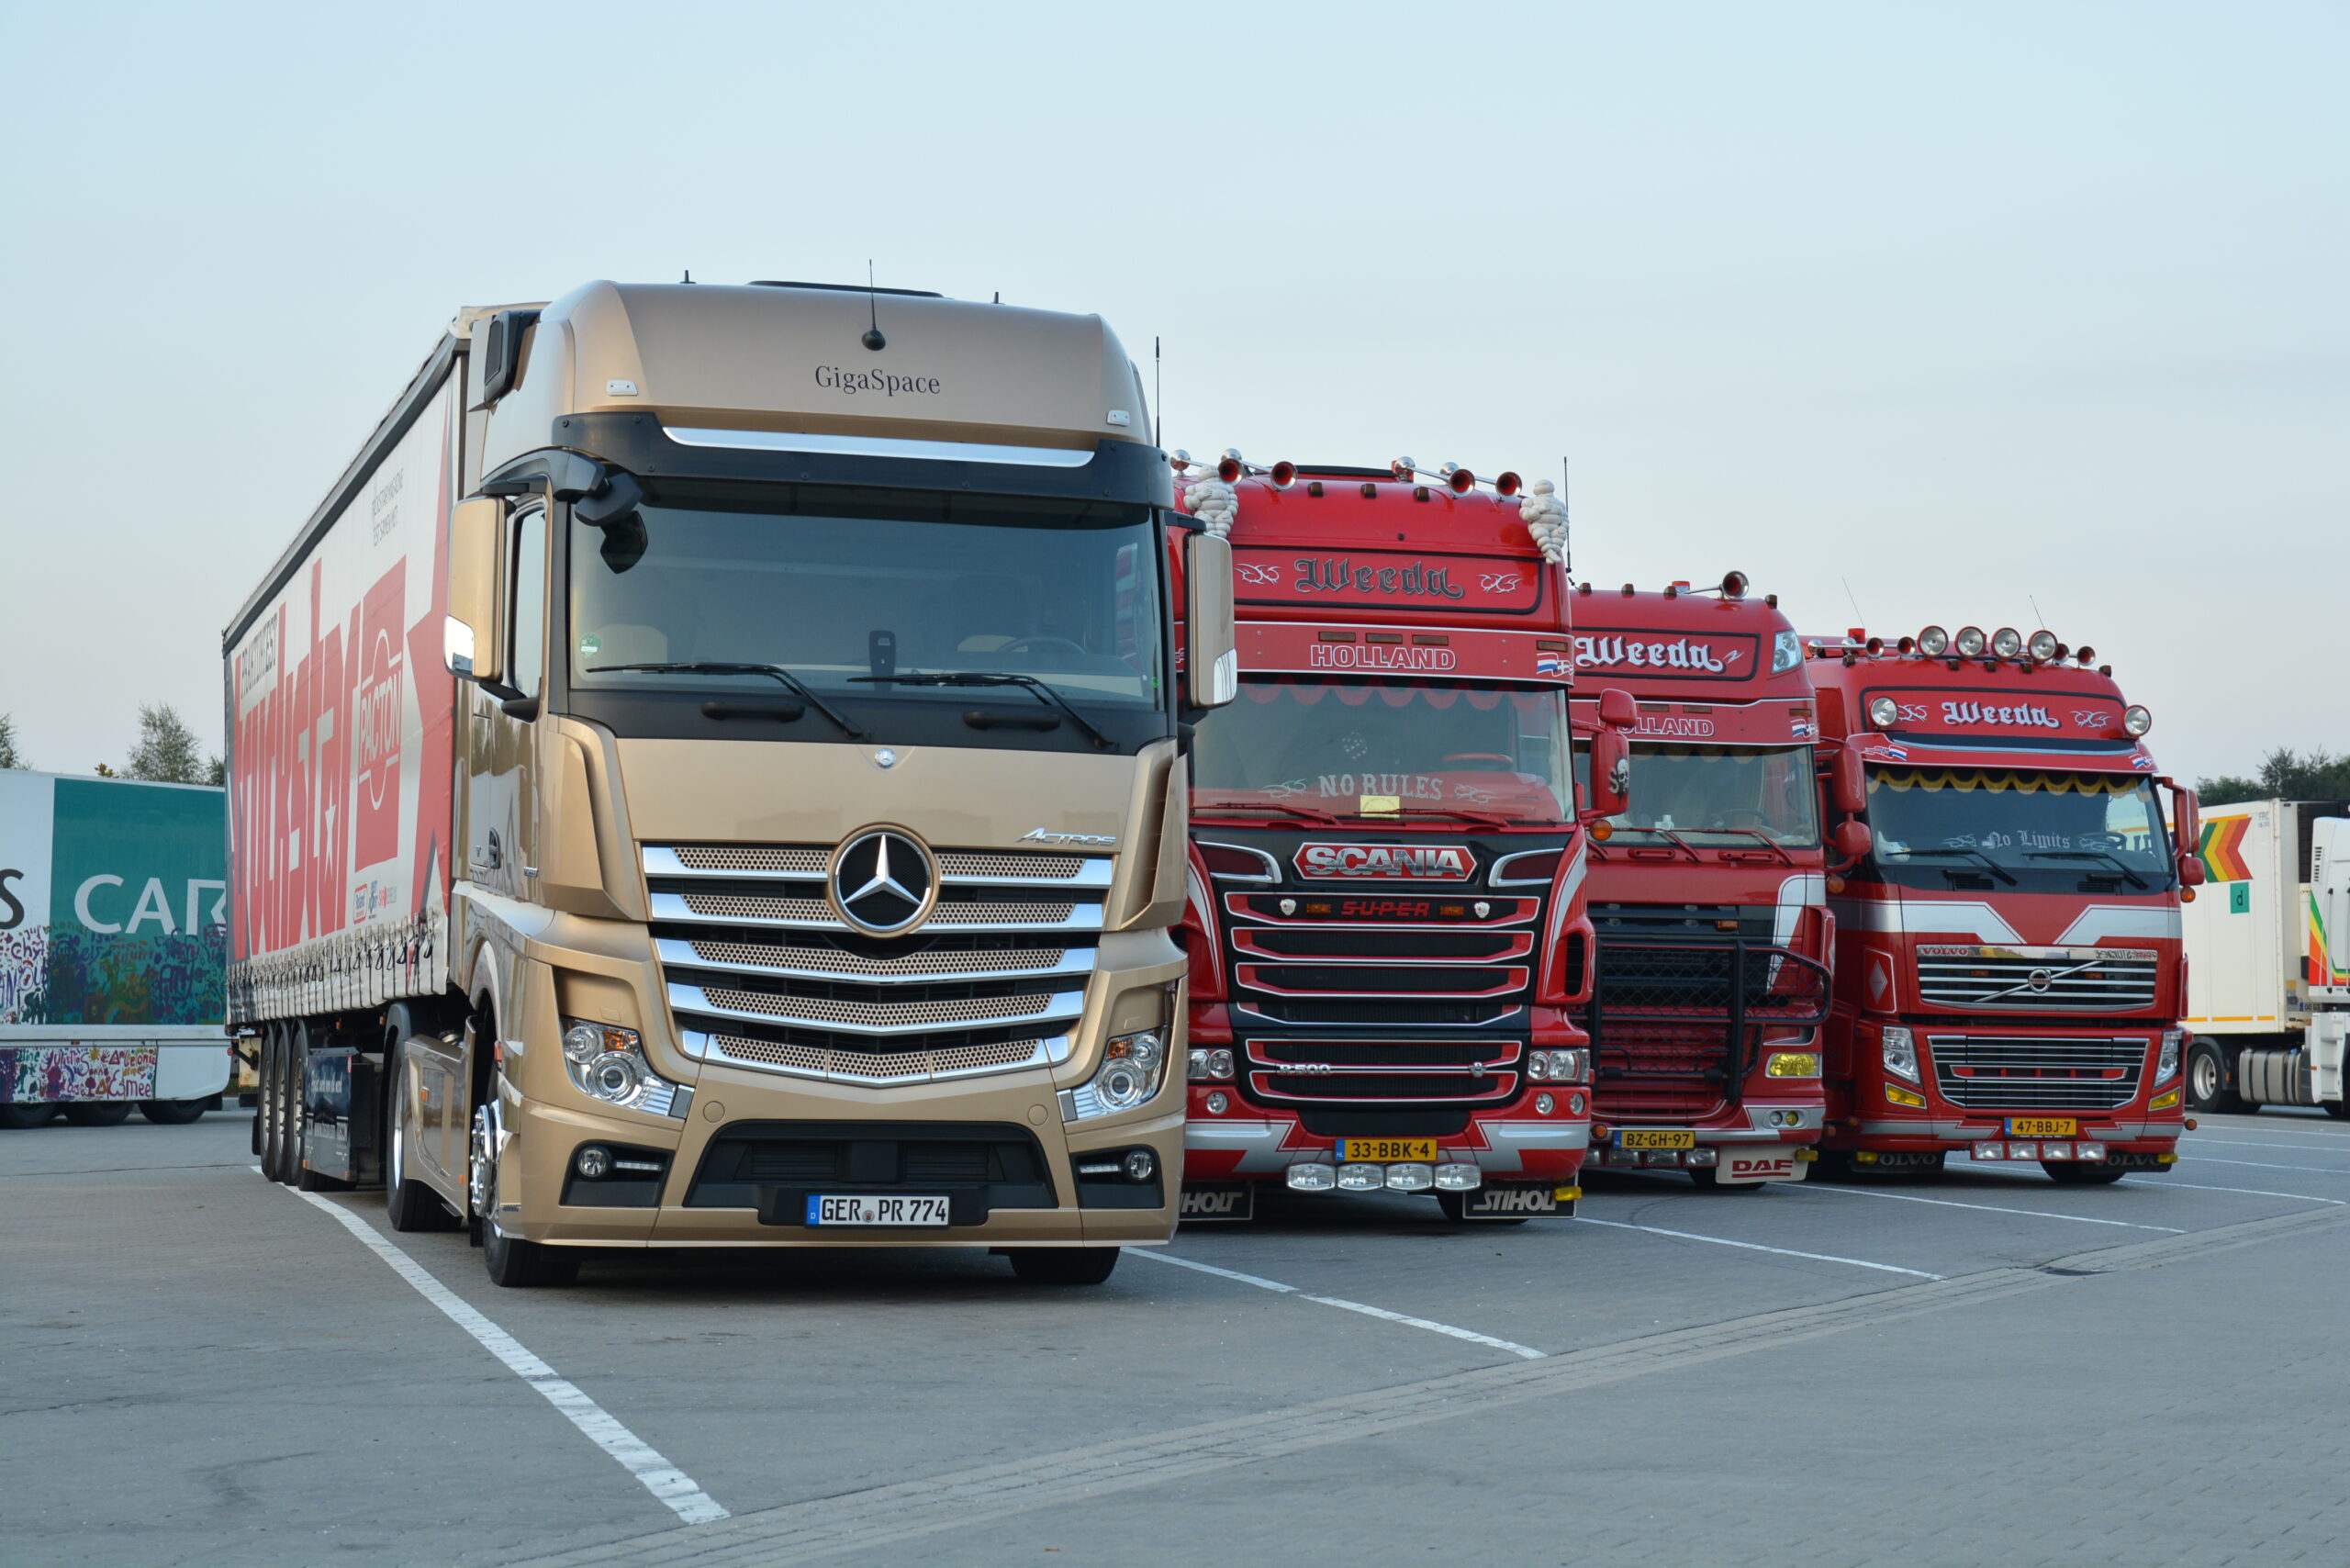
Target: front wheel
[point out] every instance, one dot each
(1064, 1265)
(2082, 1173)
(1709, 1179)
(512, 1262)
(98, 1113)
(2207, 1082)
(23, 1117)
(172, 1113)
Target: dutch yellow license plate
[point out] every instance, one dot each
(1656, 1137)
(2042, 1127)
(1387, 1149)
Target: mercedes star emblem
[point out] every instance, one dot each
(883, 881)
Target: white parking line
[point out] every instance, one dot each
(1758, 1246)
(1157, 1256)
(1995, 1208)
(2263, 1165)
(673, 1486)
(2253, 1192)
(2197, 1140)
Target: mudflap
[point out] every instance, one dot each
(1767, 1164)
(1217, 1203)
(1520, 1200)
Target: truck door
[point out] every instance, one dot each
(500, 826)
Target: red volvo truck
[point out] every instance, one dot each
(2009, 971)
(1708, 896)
(1386, 926)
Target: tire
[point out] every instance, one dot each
(1709, 1180)
(1064, 1265)
(2338, 1109)
(513, 1263)
(298, 1115)
(270, 1117)
(2207, 1082)
(172, 1113)
(2082, 1173)
(97, 1113)
(410, 1204)
(23, 1117)
(1455, 1206)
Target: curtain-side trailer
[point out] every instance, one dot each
(710, 774)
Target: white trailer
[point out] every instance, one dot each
(2269, 955)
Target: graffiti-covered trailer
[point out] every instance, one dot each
(112, 936)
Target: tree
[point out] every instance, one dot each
(216, 772)
(166, 752)
(2285, 775)
(9, 756)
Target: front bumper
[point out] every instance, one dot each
(1249, 1144)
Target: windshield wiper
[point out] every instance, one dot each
(1993, 865)
(1043, 690)
(797, 687)
(1308, 813)
(1756, 834)
(2106, 856)
(1488, 819)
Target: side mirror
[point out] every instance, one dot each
(2190, 870)
(1611, 772)
(1618, 711)
(472, 638)
(1851, 841)
(1848, 784)
(1211, 648)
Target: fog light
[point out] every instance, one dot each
(1574, 1104)
(1312, 1177)
(1903, 1097)
(1361, 1178)
(2093, 1152)
(1410, 1178)
(1458, 1178)
(593, 1161)
(2055, 1152)
(1704, 1157)
(2163, 1101)
(1141, 1165)
(1661, 1157)
(1988, 1151)
(1544, 1104)
(2023, 1151)
(1218, 1103)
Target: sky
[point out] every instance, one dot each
(2010, 314)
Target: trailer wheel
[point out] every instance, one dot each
(2207, 1082)
(23, 1116)
(1064, 1265)
(297, 1117)
(408, 1203)
(97, 1113)
(2082, 1173)
(172, 1113)
(274, 1050)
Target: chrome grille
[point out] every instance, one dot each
(2038, 979)
(969, 991)
(2012, 1073)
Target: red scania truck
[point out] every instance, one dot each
(1386, 926)
(2009, 971)
(1708, 896)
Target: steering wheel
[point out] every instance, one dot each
(1510, 763)
(1039, 640)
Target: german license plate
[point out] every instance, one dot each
(872, 1208)
(2042, 1127)
(1386, 1149)
(1656, 1137)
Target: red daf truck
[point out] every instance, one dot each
(2009, 971)
(1708, 896)
(1386, 926)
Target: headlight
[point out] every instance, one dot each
(1900, 1053)
(1786, 651)
(2007, 642)
(1210, 1066)
(1969, 641)
(2042, 645)
(2166, 1063)
(1791, 1064)
(2136, 720)
(1933, 642)
(1559, 1066)
(606, 1062)
(1883, 711)
(1132, 1067)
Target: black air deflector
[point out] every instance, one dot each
(501, 353)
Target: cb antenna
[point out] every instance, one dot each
(1157, 404)
(873, 338)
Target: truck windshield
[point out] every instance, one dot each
(2014, 826)
(841, 585)
(1350, 745)
(1718, 796)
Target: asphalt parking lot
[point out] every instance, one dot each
(205, 1367)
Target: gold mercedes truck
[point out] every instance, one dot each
(710, 774)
